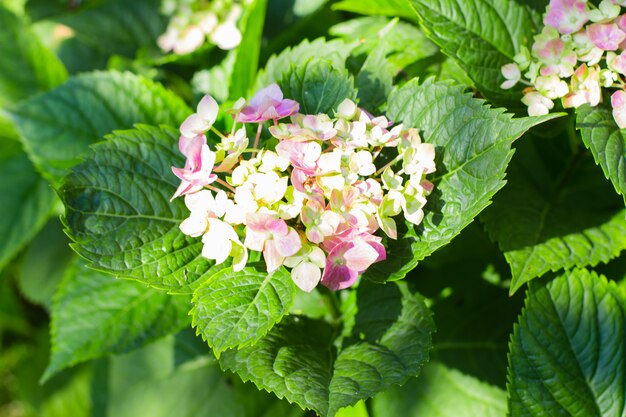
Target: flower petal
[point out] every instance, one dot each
(306, 276)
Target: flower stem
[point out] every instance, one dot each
(225, 184)
(217, 132)
(392, 162)
(258, 136)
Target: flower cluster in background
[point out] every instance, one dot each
(312, 198)
(192, 22)
(580, 50)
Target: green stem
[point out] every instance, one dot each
(392, 162)
(217, 132)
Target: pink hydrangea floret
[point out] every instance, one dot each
(268, 104)
(567, 16)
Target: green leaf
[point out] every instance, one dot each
(27, 200)
(95, 314)
(119, 215)
(117, 26)
(400, 8)
(44, 9)
(556, 212)
(442, 392)
(44, 263)
(247, 61)
(567, 353)
(336, 51)
(375, 78)
(473, 148)
(172, 377)
(606, 141)
(317, 86)
(235, 309)
(299, 359)
(72, 399)
(397, 35)
(58, 126)
(482, 36)
(27, 67)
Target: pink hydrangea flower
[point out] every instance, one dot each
(319, 222)
(556, 57)
(268, 104)
(606, 36)
(307, 265)
(585, 86)
(303, 155)
(348, 259)
(305, 128)
(618, 102)
(197, 171)
(268, 234)
(567, 16)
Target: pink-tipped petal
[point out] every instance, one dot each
(193, 126)
(271, 255)
(267, 104)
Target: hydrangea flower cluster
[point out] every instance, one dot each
(194, 21)
(313, 199)
(581, 49)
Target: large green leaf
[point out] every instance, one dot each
(119, 214)
(235, 309)
(606, 141)
(175, 377)
(567, 355)
(317, 86)
(336, 51)
(58, 126)
(482, 36)
(397, 35)
(300, 360)
(441, 392)
(374, 81)
(27, 66)
(26, 201)
(95, 314)
(473, 148)
(556, 212)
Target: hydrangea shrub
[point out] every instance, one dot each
(289, 209)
